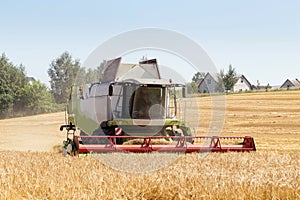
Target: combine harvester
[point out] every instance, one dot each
(134, 110)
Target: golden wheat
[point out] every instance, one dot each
(256, 175)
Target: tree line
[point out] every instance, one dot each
(22, 95)
(19, 94)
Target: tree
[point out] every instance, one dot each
(198, 76)
(195, 81)
(62, 72)
(39, 99)
(191, 88)
(21, 95)
(12, 79)
(95, 75)
(18, 85)
(6, 99)
(229, 79)
(92, 76)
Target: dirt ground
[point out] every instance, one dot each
(32, 133)
(272, 118)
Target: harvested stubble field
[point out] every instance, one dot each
(273, 172)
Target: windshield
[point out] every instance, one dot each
(148, 103)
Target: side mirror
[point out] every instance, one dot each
(183, 92)
(110, 90)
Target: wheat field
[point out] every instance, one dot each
(257, 175)
(272, 172)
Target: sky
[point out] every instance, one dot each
(260, 39)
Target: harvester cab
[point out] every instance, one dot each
(133, 109)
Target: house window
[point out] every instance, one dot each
(242, 81)
(208, 81)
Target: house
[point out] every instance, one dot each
(291, 84)
(209, 84)
(242, 84)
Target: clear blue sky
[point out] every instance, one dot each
(261, 39)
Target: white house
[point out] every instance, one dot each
(209, 84)
(242, 85)
(291, 84)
